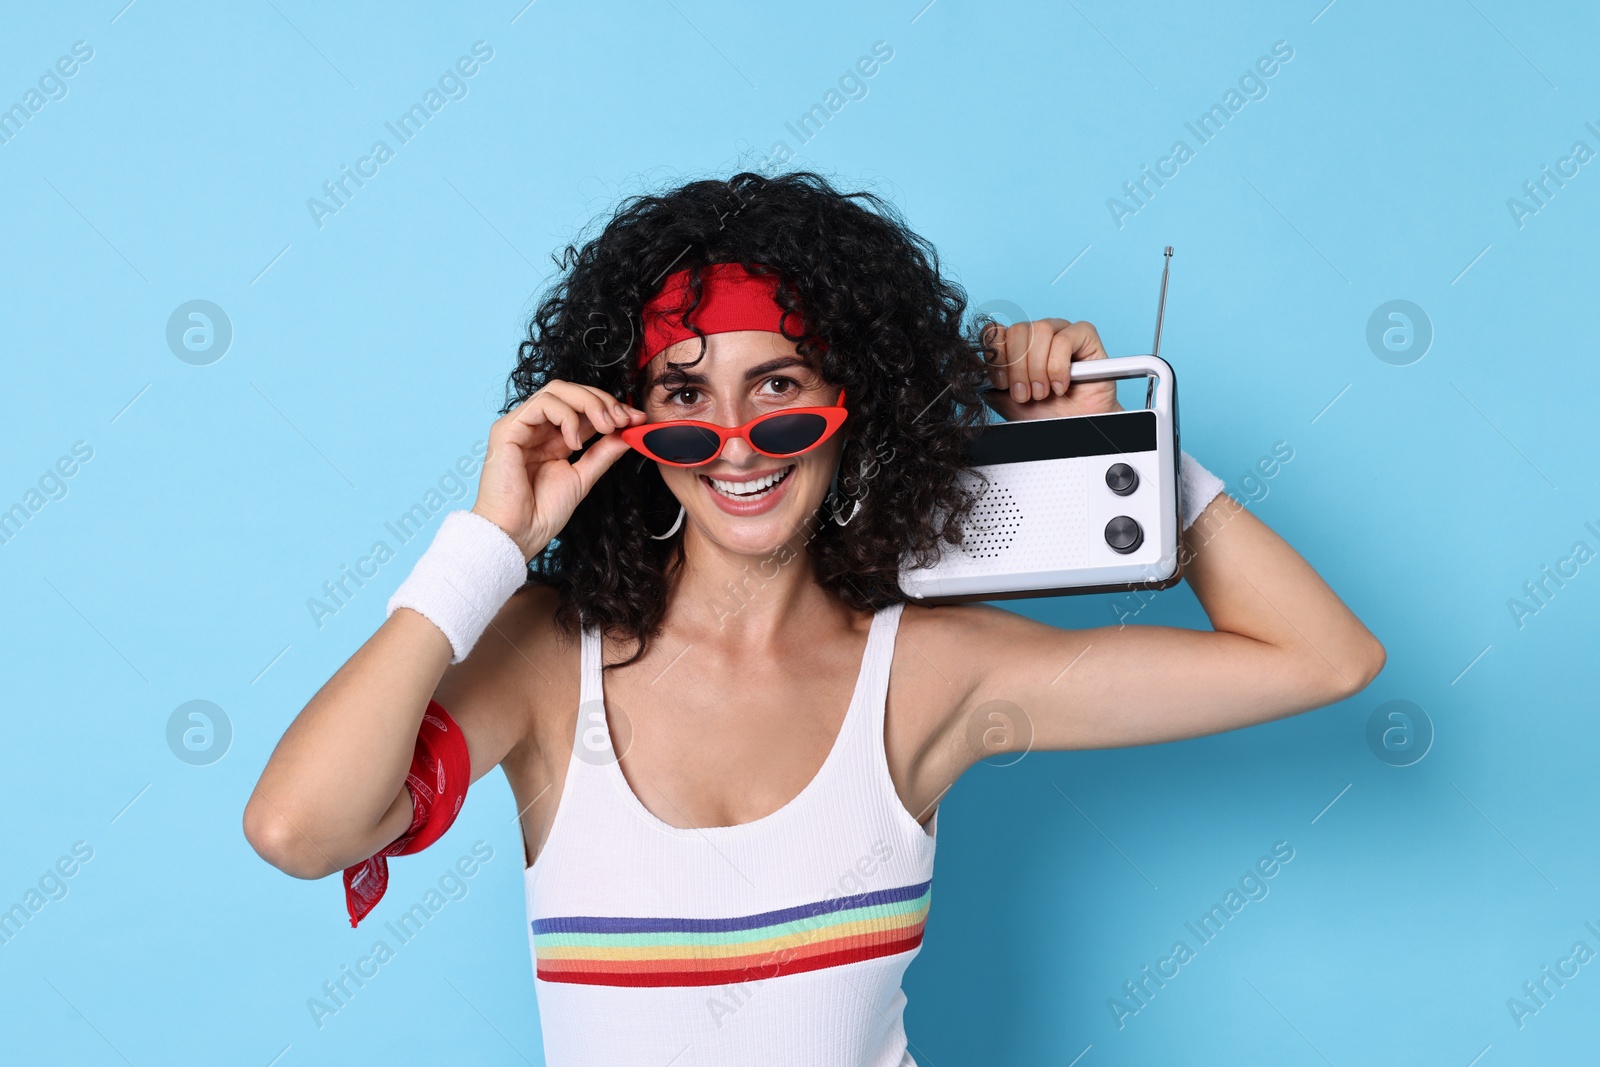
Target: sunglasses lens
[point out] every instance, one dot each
(785, 435)
(683, 444)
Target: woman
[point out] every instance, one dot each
(726, 732)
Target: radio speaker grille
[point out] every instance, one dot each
(992, 524)
(1029, 515)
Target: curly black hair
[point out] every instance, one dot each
(891, 333)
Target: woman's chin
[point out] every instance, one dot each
(753, 528)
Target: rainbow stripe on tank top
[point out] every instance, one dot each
(598, 950)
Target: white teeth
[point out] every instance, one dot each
(748, 490)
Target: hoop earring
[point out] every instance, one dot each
(836, 498)
(675, 525)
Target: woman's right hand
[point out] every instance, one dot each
(528, 488)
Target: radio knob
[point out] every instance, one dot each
(1124, 534)
(1122, 479)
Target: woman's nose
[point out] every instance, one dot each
(738, 451)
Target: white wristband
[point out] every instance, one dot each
(467, 574)
(1197, 487)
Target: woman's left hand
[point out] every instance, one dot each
(1029, 370)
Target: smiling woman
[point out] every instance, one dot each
(865, 312)
(769, 376)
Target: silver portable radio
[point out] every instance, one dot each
(1080, 504)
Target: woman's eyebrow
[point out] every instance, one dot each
(675, 378)
(776, 364)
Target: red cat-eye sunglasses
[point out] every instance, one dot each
(779, 434)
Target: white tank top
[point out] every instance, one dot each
(780, 941)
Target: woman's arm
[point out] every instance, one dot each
(1281, 642)
(333, 792)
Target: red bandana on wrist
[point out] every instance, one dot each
(731, 299)
(441, 770)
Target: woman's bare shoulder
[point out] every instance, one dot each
(521, 679)
(943, 652)
(956, 632)
(933, 660)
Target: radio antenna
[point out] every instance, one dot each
(1161, 307)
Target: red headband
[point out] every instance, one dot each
(731, 299)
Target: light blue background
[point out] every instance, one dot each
(370, 353)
